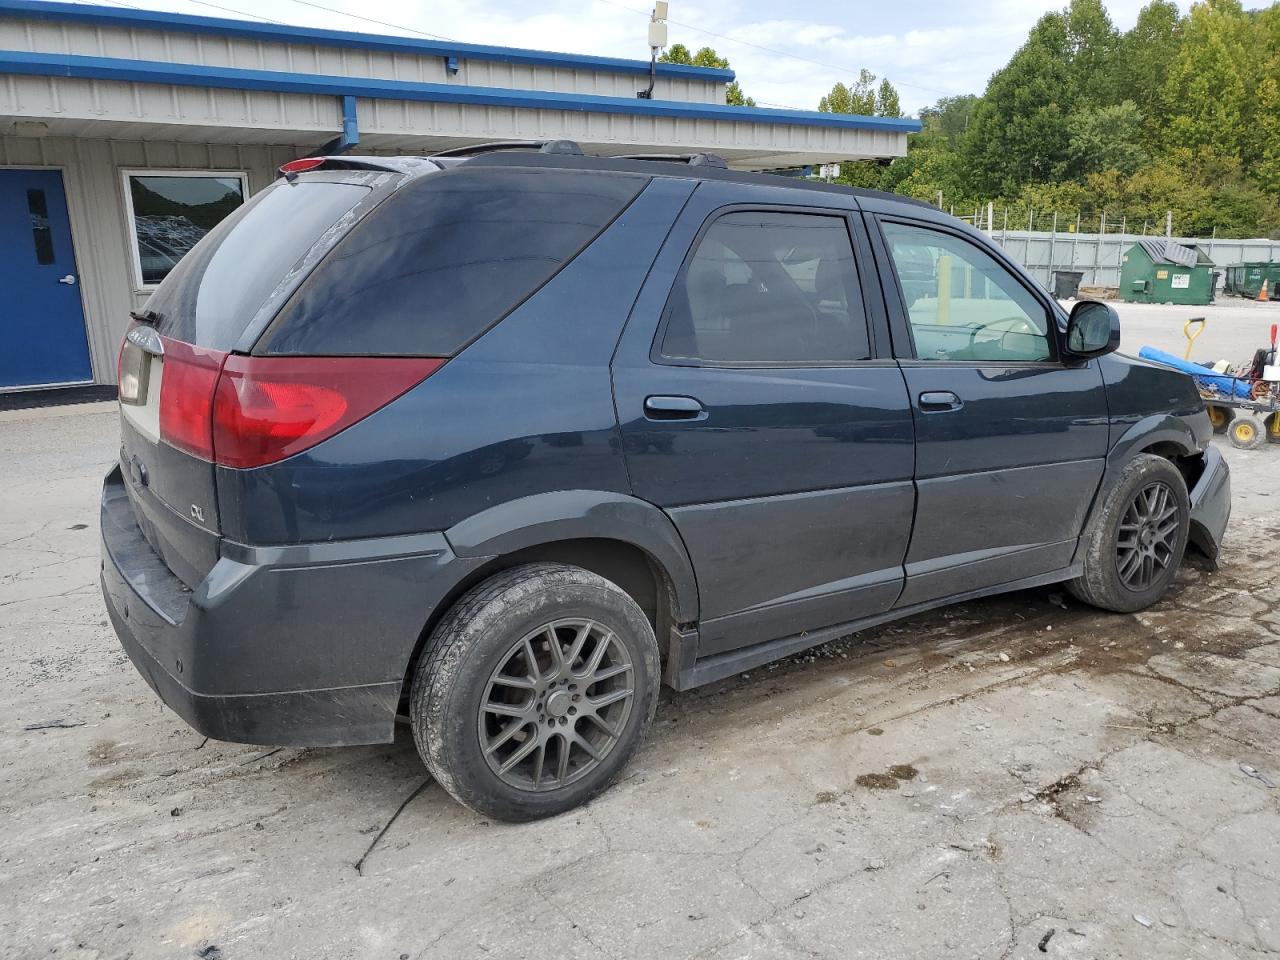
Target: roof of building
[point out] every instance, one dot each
(233, 78)
(1166, 251)
(155, 20)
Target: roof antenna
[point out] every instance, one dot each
(657, 40)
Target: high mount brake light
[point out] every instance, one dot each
(243, 412)
(301, 165)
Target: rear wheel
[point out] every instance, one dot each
(534, 691)
(1136, 538)
(1273, 428)
(1248, 433)
(1220, 418)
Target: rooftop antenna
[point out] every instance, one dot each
(657, 40)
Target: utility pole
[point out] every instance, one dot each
(1168, 225)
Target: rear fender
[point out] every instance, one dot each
(582, 514)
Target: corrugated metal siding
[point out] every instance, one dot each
(75, 106)
(37, 36)
(251, 114)
(95, 201)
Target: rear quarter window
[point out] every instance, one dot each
(445, 258)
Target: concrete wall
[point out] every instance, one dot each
(91, 172)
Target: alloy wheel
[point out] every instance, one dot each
(556, 705)
(1147, 537)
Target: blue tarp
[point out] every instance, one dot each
(1224, 385)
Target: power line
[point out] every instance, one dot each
(781, 53)
(240, 13)
(381, 23)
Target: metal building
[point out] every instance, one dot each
(126, 134)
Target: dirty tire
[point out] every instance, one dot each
(1220, 418)
(1273, 428)
(1247, 433)
(1102, 584)
(454, 682)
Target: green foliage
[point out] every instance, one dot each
(860, 99)
(1181, 113)
(707, 57)
(1105, 138)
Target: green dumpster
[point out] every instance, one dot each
(1245, 279)
(1162, 271)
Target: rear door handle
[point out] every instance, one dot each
(673, 408)
(938, 401)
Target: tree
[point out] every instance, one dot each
(1208, 85)
(1018, 133)
(1146, 53)
(860, 99)
(707, 57)
(1105, 138)
(887, 102)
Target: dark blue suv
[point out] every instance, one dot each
(502, 440)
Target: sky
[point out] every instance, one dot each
(784, 55)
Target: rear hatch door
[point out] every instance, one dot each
(216, 301)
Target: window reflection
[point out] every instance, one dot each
(172, 212)
(41, 233)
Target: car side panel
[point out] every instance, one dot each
(1005, 479)
(793, 494)
(527, 408)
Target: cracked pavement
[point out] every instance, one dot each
(1011, 778)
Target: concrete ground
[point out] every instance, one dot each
(1012, 778)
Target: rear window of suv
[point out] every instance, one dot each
(211, 296)
(445, 258)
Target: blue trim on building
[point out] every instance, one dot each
(227, 78)
(350, 126)
(277, 33)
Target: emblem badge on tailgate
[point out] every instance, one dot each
(197, 514)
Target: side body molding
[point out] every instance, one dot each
(582, 514)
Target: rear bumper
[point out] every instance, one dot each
(1211, 505)
(301, 645)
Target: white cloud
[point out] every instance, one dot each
(805, 57)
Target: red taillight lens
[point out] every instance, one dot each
(186, 396)
(269, 408)
(302, 164)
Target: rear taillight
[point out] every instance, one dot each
(269, 408)
(186, 396)
(241, 411)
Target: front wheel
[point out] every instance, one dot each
(534, 691)
(1136, 538)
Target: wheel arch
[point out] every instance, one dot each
(628, 541)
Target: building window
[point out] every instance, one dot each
(168, 211)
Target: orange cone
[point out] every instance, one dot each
(1262, 294)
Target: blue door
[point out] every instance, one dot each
(42, 337)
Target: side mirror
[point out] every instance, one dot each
(1093, 329)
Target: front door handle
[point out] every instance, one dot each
(673, 408)
(938, 401)
(69, 279)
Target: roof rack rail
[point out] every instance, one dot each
(562, 147)
(692, 159)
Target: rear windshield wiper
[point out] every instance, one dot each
(146, 316)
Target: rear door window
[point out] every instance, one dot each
(769, 287)
(444, 259)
